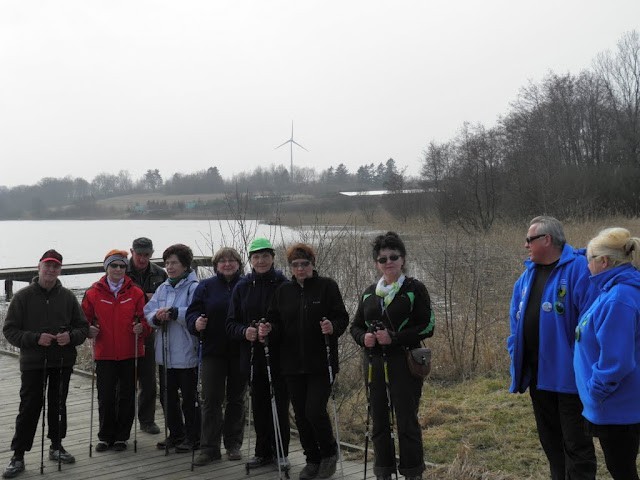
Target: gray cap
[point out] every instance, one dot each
(142, 245)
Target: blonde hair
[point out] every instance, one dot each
(617, 245)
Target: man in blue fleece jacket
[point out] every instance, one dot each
(547, 301)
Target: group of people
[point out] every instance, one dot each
(575, 344)
(212, 340)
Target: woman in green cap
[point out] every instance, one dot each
(249, 304)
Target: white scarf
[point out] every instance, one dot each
(388, 292)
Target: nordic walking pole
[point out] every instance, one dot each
(165, 394)
(196, 404)
(44, 407)
(368, 380)
(62, 330)
(274, 410)
(387, 384)
(93, 386)
(135, 387)
(327, 345)
(251, 352)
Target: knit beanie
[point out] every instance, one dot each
(114, 255)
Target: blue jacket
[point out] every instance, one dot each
(565, 295)
(607, 353)
(212, 296)
(182, 347)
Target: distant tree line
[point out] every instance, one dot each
(570, 146)
(77, 196)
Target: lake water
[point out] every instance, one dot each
(22, 243)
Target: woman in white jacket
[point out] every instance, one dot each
(176, 349)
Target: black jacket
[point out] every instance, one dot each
(212, 296)
(295, 315)
(34, 310)
(249, 302)
(408, 317)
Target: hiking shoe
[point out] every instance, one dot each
(414, 477)
(256, 462)
(205, 458)
(309, 471)
(383, 477)
(327, 466)
(120, 446)
(169, 442)
(186, 446)
(284, 463)
(234, 453)
(102, 446)
(15, 467)
(150, 428)
(65, 457)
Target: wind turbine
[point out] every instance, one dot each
(291, 141)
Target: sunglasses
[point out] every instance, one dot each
(391, 258)
(528, 240)
(117, 265)
(300, 264)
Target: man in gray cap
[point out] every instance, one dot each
(148, 277)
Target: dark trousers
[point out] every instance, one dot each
(31, 406)
(183, 420)
(116, 399)
(222, 380)
(561, 431)
(620, 446)
(309, 396)
(406, 391)
(262, 419)
(147, 382)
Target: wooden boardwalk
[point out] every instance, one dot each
(147, 463)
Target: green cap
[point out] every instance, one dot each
(258, 244)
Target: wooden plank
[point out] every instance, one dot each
(147, 463)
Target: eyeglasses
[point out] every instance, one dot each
(392, 258)
(117, 265)
(528, 240)
(300, 264)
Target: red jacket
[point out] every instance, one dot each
(114, 316)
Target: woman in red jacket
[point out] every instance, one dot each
(114, 309)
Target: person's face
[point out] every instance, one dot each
(537, 244)
(389, 264)
(116, 270)
(140, 260)
(227, 266)
(173, 266)
(48, 272)
(301, 268)
(261, 262)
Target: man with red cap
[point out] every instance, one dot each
(46, 323)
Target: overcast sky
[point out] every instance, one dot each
(99, 86)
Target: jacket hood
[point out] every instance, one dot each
(625, 274)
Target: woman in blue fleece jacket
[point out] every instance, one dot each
(607, 350)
